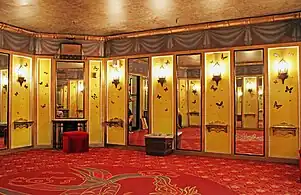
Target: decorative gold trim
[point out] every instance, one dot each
(22, 123)
(115, 122)
(178, 29)
(217, 126)
(284, 129)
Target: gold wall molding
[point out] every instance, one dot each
(178, 29)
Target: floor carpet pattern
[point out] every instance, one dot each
(2, 143)
(231, 176)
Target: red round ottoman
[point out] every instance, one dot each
(75, 141)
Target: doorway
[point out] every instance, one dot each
(249, 102)
(189, 102)
(4, 94)
(138, 101)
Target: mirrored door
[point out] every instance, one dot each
(70, 90)
(189, 102)
(4, 86)
(138, 105)
(249, 102)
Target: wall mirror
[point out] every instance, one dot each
(4, 84)
(138, 105)
(70, 90)
(249, 102)
(189, 102)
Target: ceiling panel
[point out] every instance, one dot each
(108, 17)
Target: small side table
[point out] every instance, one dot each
(159, 144)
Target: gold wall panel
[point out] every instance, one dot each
(72, 98)
(95, 107)
(284, 102)
(183, 101)
(194, 102)
(250, 103)
(116, 102)
(217, 102)
(65, 97)
(3, 94)
(44, 127)
(21, 105)
(163, 96)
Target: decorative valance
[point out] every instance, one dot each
(45, 46)
(253, 34)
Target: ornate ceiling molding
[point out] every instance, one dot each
(186, 28)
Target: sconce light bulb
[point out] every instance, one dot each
(282, 66)
(239, 93)
(5, 81)
(260, 91)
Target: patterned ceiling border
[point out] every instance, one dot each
(282, 28)
(186, 28)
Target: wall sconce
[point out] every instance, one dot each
(282, 70)
(250, 86)
(239, 93)
(116, 73)
(5, 83)
(216, 73)
(80, 87)
(162, 73)
(21, 76)
(195, 89)
(260, 91)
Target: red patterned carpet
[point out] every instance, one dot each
(190, 138)
(2, 142)
(250, 142)
(136, 138)
(105, 171)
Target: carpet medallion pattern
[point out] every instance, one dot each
(96, 169)
(101, 181)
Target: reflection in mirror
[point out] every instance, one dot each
(138, 101)
(249, 102)
(189, 102)
(4, 64)
(70, 90)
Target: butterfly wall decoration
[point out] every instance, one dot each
(288, 89)
(276, 105)
(194, 102)
(220, 104)
(43, 106)
(223, 57)
(213, 88)
(159, 96)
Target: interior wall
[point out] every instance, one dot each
(21, 106)
(116, 103)
(284, 102)
(162, 96)
(4, 94)
(96, 129)
(217, 103)
(44, 123)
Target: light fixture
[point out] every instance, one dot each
(81, 87)
(260, 91)
(250, 86)
(21, 76)
(5, 83)
(162, 73)
(239, 93)
(282, 70)
(195, 89)
(216, 73)
(116, 73)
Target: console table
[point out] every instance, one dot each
(63, 125)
